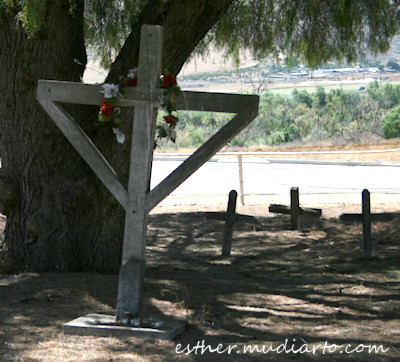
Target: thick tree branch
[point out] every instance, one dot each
(185, 24)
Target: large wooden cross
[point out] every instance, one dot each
(138, 200)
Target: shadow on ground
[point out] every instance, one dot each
(306, 288)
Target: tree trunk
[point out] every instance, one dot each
(43, 225)
(59, 215)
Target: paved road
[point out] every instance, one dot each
(221, 175)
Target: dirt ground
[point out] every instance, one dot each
(308, 293)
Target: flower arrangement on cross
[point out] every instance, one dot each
(108, 111)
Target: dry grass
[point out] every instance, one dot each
(321, 146)
(337, 146)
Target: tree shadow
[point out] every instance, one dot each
(303, 286)
(302, 279)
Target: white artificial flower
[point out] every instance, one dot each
(163, 100)
(110, 90)
(161, 108)
(120, 136)
(132, 72)
(172, 135)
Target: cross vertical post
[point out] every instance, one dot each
(130, 286)
(294, 206)
(229, 222)
(366, 223)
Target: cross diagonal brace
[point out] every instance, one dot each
(82, 143)
(246, 107)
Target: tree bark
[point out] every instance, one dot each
(36, 159)
(63, 218)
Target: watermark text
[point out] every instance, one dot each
(287, 347)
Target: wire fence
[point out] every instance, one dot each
(252, 165)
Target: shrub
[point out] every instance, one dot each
(276, 138)
(393, 64)
(196, 136)
(391, 124)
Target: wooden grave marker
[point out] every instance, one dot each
(138, 200)
(366, 217)
(230, 217)
(294, 210)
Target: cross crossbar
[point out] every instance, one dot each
(90, 94)
(51, 94)
(222, 216)
(382, 216)
(285, 209)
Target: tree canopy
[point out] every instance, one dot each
(59, 216)
(314, 31)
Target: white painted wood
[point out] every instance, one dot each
(216, 102)
(138, 200)
(241, 181)
(79, 93)
(143, 132)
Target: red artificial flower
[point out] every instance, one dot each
(132, 82)
(106, 109)
(168, 80)
(170, 119)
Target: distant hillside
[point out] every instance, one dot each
(215, 62)
(393, 53)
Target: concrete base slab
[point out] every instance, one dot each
(105, 325)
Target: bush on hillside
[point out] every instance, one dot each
(391, 124)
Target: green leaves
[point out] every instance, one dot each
(29, 14)
(108, 23)
(391, 124)
(314, 31)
